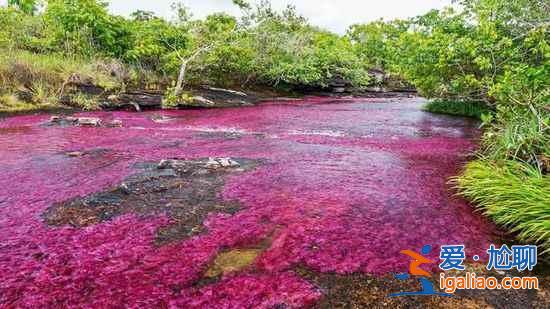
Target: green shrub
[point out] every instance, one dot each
(518, 134)
(171, 99)
(467, 109)
(515, 195)
(85, 27)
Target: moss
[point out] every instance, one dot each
(232, 261)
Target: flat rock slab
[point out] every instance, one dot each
(67, 121)
(185, 190)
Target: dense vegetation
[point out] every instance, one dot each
(484, 58)
(264, 47)
(488, 59)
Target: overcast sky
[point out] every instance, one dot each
(335, 15)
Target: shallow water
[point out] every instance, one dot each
(345, 185)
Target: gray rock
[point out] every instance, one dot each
(115, 123)
(88, 121)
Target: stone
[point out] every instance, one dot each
(137, 100)
(202, 101)
(89, 121)
(212, 164)
(24, 95)
(55, 119)
(234, 92)
(161, 119)
(75, 154)
(165, 164)
(115, 123)
(215, 163)
(228, 162)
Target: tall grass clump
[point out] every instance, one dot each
(466, 108)
(45, 78)
(515, 195)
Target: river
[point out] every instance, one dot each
(337, 186)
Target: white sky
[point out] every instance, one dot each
(335, 15)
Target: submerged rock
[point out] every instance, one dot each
(75, 121)
(83, 122)
(161, 119)
(211, 163)
(232, 261)
(88, 121)
(187, 191)
(115, 123)
(215, 163)
(75, 154)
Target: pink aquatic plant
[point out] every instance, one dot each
(345, 185)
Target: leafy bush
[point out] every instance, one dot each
(172, 99)
(84, 27)
(20, 30)
(468, 109)
(512, 193)
(153, 42)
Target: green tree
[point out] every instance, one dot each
(85, 27)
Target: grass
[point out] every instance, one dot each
(467, 109)
(10, 103)
(524, 135)
(515, 195)
(43, 76)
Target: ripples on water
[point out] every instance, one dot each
(345, 186)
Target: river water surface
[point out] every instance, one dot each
(343, 186)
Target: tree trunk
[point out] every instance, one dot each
(181, 78)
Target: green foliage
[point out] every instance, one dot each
(85, 102)
(490, 51)
(374, 42)
(153, 42)
(265, 46)
(84, 26)
(172, 100)
(20, 30)
(496, 53)
(468, 109)
(513, 194)
(283, 49)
